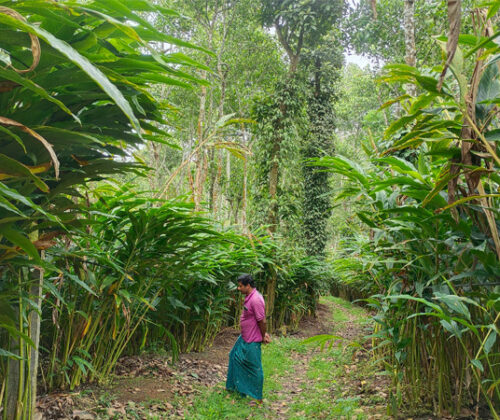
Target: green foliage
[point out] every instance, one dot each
(279, 121)
(69, 114)
(153, 274)
(433, 250)
(301, 280)
(83, 101)
(381, 36)
(305, 22)
(356, 112)
(246, 62)
(143, 273)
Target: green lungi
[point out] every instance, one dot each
(244, 373)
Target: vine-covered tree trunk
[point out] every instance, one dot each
(273, 217)
(317, 206)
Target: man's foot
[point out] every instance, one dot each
(255, 403)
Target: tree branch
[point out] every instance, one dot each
(283, 41)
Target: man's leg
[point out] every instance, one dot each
(233, 366)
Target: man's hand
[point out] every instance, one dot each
(267, 338)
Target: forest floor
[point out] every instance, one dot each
(302, 380)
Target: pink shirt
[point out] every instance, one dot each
(254, 309)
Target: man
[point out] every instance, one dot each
(244, 373)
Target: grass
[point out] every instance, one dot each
(347, 311)
(321, 398)
(218, 404)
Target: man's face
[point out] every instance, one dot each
(244, 289)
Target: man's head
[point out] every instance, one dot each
(246, 284)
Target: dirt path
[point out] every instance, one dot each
(301, 381)
(294, 386)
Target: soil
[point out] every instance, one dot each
(155, 380)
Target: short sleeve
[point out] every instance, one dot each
(259, 308)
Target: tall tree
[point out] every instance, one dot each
(379, 31)
(245, 62)
(323, 69)
(298, 25)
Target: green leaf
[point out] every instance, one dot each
(364, 218)
(402, 122)
(74, 56)
(476, 363)
(429, 83)
(423, 101)
(14, 136)
(395, 100)
(490, 342)
(54, 291)
(493, 10)
(482, 44)
(82, 363)
(18, 239)
(488, 89)
(437, 308)
(14, 195)
(451, 327)
(14, 332)
(454, 303)
(5, 353)
(28, 84)
(7, 205)
(14, 168)
(493, 135)
(81, 283)
(466, 199)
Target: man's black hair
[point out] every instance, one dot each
(246, 279)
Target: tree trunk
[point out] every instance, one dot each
(200, 154)
(21, 381)
(215, 186)
(244, 192)
(294, 63)
(34, 321)
(317, 207)
(273, 225)
(12, 382)
(273, 186)
(410, 48)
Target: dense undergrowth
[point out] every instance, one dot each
(92, 269)
(427, 259)
(148, 275)
(89, 271)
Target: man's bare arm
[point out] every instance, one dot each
(263, 328)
